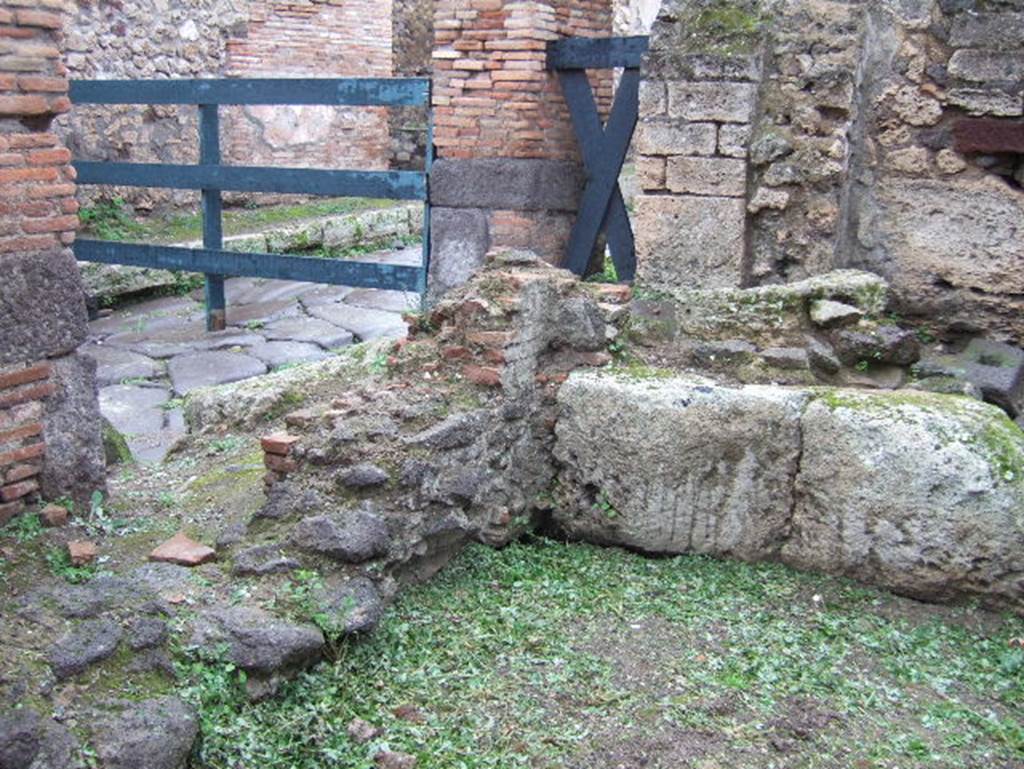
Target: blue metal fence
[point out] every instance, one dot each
(212, 178)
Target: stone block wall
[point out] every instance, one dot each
(49, 417)
(508, 168)
(781, 141)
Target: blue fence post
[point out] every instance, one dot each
(428, 162)
(213, 230)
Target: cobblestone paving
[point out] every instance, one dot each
(151, 354)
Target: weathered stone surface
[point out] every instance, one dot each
(257, 641)
(525, 184)
(134, 410)
(991, 370)
(829, 314)
(353, 608)
(277, 354)
(987, 66)
(720, 102)
(75, 464)
(114, 364)
(183, 551)
(89, 642)
(692, 241)
(454, 432)
(961, 269)
(365, 324)
(725, 177)
(676, 470)
(876, 344)
(460, 241)
(30, 742)
(96, 596)
(661, 136)
(31, 329)
(987, 101)
(362, 476)
(156, 734)
(352, 537)
(920, 493)
(262, 560)
(987, 30)
(313, 330)
(917, 492)
(203, 369)
(146, 633)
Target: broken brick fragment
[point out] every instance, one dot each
(279, 443)
(183, 551)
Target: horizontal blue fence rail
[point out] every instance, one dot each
(306, 268)
(393, 185)
(350, 92)
(212, 178)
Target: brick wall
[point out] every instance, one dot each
(49, 417)
(493, 96)
(315, 38)
(508, 173)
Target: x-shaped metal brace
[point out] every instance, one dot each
(603, 148)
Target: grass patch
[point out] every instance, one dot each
(546, 655)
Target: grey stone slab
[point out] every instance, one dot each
(325, 295)
(115, 364)
(461, 240)
(363, 323)
(506, 183)
(202, 369)
(276, 354)
(380, 299)
(134, 410)
(302, 329)
(262, 312)
(259, 290)
(222, 340)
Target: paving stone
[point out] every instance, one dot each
(253, 315)
(325, 295)
(115, 364)
(258, 290)
(133, 409)
(191, 371)
(276, 354)
(364, 323)
(315, 330)
(379, 299)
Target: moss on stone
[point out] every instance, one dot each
(115, 447)
(724, 27)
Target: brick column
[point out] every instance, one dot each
(49, 417)
(508, 172)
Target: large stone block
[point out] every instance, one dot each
(688, 241)
(725, 177)
(668, 465)
(75, 464)
(917, 492)
(920, 493)
(675, 137)
(721, 102)
(951, 250)
(42, 306)
(506, 183)
(987, 66)
(987, 30)
(460, 238)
